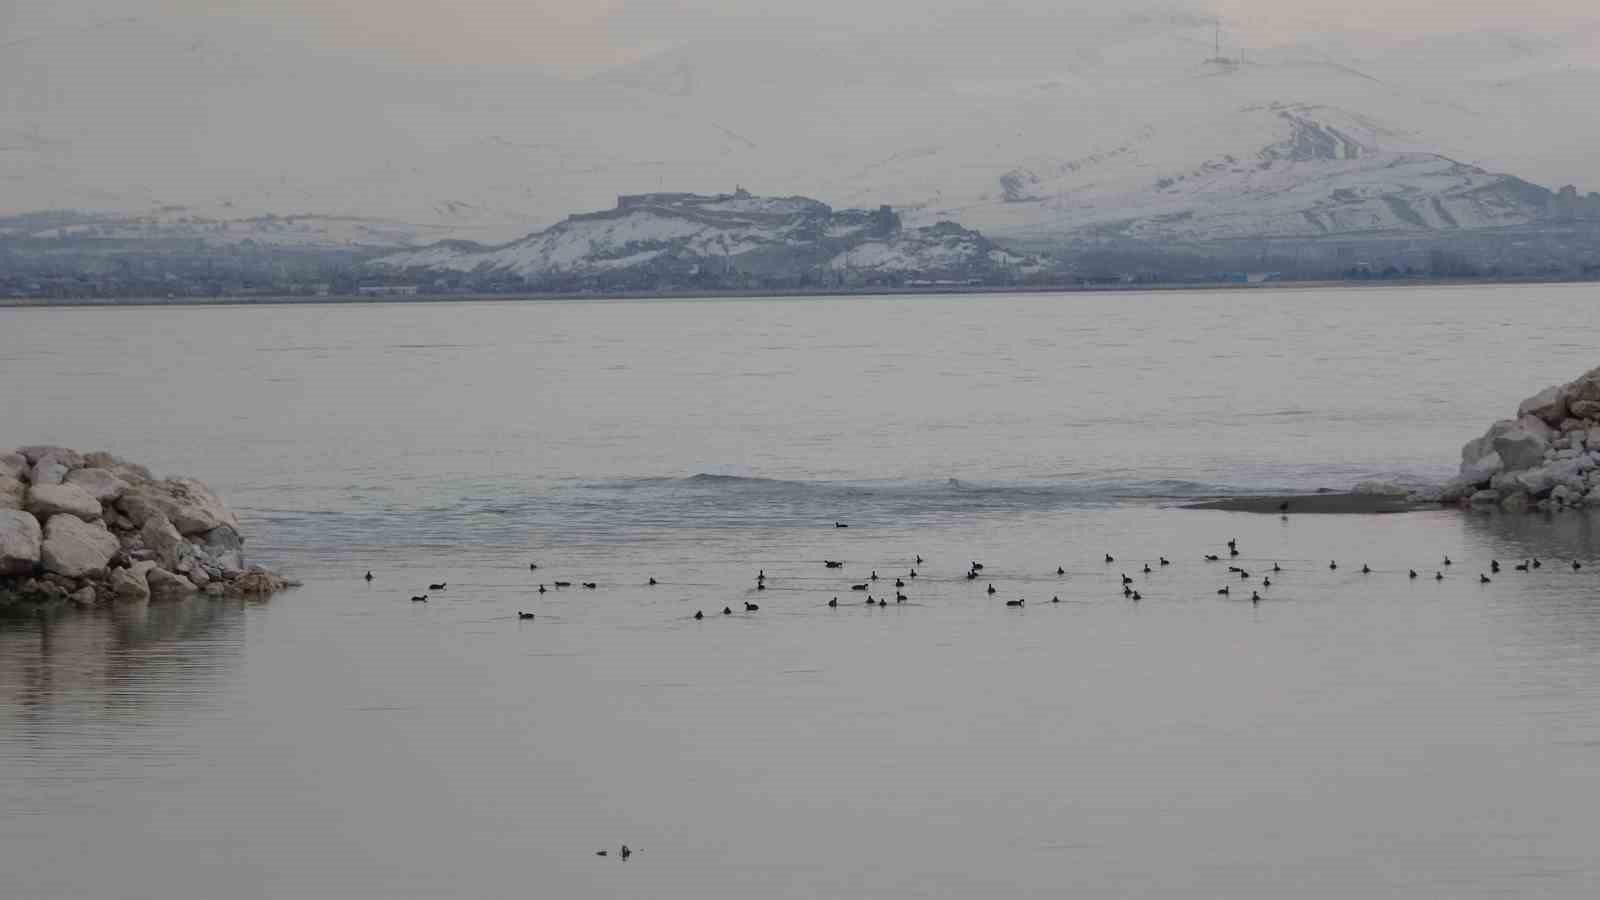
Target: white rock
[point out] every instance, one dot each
(225, 548)
(1485, 498)
(1485, 468)
(1520, 449)
(20, 538)
(101, 485)
(46, 500)
(164, 541)
(83, 596)
(199, 576)
(166, 586)
(129, 585)
(75, 548)
(1536, 425)
(188, 505)
(14, 465)
(37, 452)
(13, 493)
(49, 470)
(1535, 482)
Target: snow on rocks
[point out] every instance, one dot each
(93, 529)
(1547, 458)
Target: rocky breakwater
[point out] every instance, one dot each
(1546, 458)
(92, 529)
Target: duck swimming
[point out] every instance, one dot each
(369, 574)
(1015, 602)
(992, 590)
(698, 615)
(751, 607)
(421, 599)
(524, 615)
(834, 603)
(436, 587)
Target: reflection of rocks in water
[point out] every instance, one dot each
(129, 658)
(1557, 537)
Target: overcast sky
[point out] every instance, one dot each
(577, 37)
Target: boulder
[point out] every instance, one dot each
(100, 460)
(1564, 495)
(224, 548)
(100, 484)
(166, 545)
(14, 465)
(132, 473)
(199, 576)
(83, 596)
(1455, 490)
(1534, 482)
(33, 454)
(1536, 425)
(13, 493)
(1517, 502)
(20, 539)
(46, 500)
(1550, 405)
(1485, 468)
(1586, 409)
(48, 471)
(129, 585)
(1520, 449)
(74, 548)
(1484, 498)
(166, 586)
(188, 505)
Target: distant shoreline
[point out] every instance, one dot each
(934, 290)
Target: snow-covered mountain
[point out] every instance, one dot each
(667, 236)
(1122, 122)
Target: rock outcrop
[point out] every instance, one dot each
(1546, 458)
(93, 529)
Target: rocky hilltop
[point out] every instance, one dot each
(1546, 458)
(722, 240)
(93, 529)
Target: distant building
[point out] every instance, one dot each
(388, 290)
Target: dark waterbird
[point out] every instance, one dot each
(727, 610)
(882, 602)
(1482, 578)
(1412, 573)
(1365, 570)
(1333, 565)
(1126, 579)
(761, 586)
(652, 582)
(833, 563)
(1576, 565)
(532, 566)
(1147, 568)
(1110, 558)
(834, 603)
(1447, 561)
(919, 559)
(1165, 561)
(524, 615)
(698, 615)
(858, 587)
(1522, 567)
(562, 584)
(1136, 596)
(590, 585)
(1060, 571)
(1494, 565)
(1266, 582)
(874, 575)
(992, 590)
(899, 597)
(972, 576)
(420, 599)
(1212, 557)
(912, 573)
(899, 582)
(1275, 568)
(1438, 576)
(369, 574)
(541, 589)
(1127, 591)
(1536, 563)
(436, 587)
(977, 566)
(1015, 602)
(1255, 598)
(1055, 599)
(751, 607)
(1243, 575)
(1224, 592)
(840, 525)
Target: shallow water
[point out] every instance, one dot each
(1353, 735)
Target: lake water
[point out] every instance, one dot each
(1352, 736)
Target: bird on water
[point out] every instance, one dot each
(698, 615)
(436, 587)
(1015, 602)
(524, 615)
(420, 599)
(369, 574)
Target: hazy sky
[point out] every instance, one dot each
(575, 37)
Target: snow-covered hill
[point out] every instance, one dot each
(1120, 121)
(695, 236)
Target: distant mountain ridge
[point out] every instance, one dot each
(657, 238)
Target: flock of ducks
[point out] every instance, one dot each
(975, 568)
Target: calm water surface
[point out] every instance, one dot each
(1352, 736)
